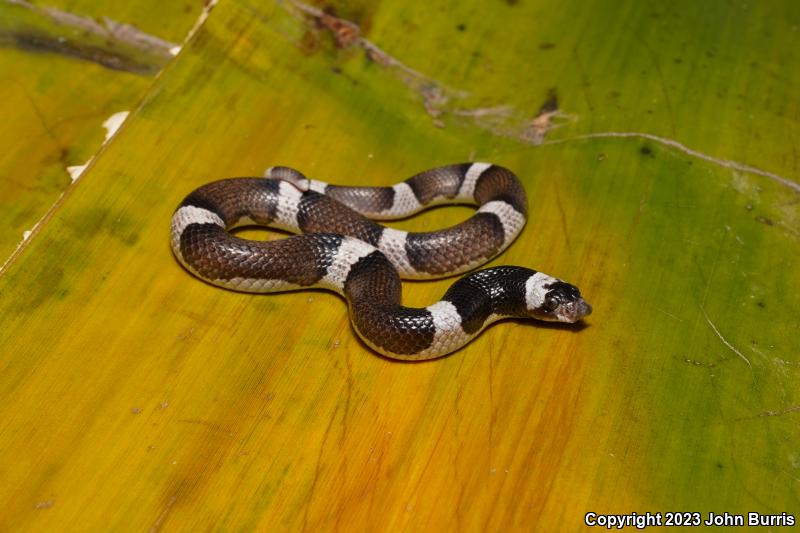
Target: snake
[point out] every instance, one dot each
(339, 245)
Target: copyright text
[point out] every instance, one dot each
(691, 519)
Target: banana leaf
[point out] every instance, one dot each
(65, 70)
(656, 144)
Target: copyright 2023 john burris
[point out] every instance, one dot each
(687, 519)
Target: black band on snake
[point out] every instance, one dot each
(340, 248)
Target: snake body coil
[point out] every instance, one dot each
(340, 249)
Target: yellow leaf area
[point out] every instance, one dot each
(136, 397)
(64, 71)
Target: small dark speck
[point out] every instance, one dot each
(720, 466)
(765, 220)
(461, 27)
(601, 157)
(547, 46)
(512, 2)
(550, 104)
(761, 304)
(336, 70)
(678, 60)
(649, 111)
(646, 150)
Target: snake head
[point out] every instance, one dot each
(554, 300)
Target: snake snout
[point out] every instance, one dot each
(585, 308)
(575, 310)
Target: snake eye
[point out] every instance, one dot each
(551, 301)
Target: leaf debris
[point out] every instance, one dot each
(730, 346)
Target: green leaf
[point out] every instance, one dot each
(656, 145)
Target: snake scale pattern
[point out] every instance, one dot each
(340, 247)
